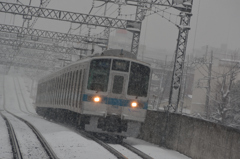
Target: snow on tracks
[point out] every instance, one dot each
(29, 144)
(5, 146)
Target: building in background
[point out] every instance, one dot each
(222, 61)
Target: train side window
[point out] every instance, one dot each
(117, 84)
(66, 88)
(49, 91)
(53, 89)
(46, 92)
(78, 88)
(60, 89)
(43, 92)
(69, 87)
(63, 88)
(57, 90)
(75, 88)
(38, 90)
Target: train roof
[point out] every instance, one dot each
(114, 54)
(119, 53)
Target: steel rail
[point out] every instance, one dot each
(103, 144)
(42, 140)
(13, 139)
(21, 92)
(114, 151)
(88, 135)
(136, 151)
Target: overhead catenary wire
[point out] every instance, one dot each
(132, 14)
(102, 32)
(154, 12)
(100, 7)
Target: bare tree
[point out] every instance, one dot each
(234, 114)
(221, 104)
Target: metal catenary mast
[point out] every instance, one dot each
(185, 8)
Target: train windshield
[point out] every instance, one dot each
(99, 75)
(138, 80)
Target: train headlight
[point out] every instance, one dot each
(134, 104)
(96, 99)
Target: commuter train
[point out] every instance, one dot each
(106, 93)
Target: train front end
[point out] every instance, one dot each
(116, 95)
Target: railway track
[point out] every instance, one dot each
(14, 141)
(115, 151)
(21, 96)
(136, 151)
(124, 145)
(112, 149)
(42, 140)
(13, 138)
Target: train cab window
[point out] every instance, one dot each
(99, 75)
(117, 84)
(138, 80)
(120, 65)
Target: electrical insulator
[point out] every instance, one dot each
(119, 9)
(89, 32)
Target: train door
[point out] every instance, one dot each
(117, 92)
(118, 84)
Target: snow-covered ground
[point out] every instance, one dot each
(153, 150)
(29, 145)
(66, 142)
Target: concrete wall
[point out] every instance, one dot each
(196, 138)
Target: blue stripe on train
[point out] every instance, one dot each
(113, 101)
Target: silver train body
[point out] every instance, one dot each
(104, 94)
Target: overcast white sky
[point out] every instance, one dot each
(218, 23)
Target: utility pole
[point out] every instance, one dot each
(209, 86)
